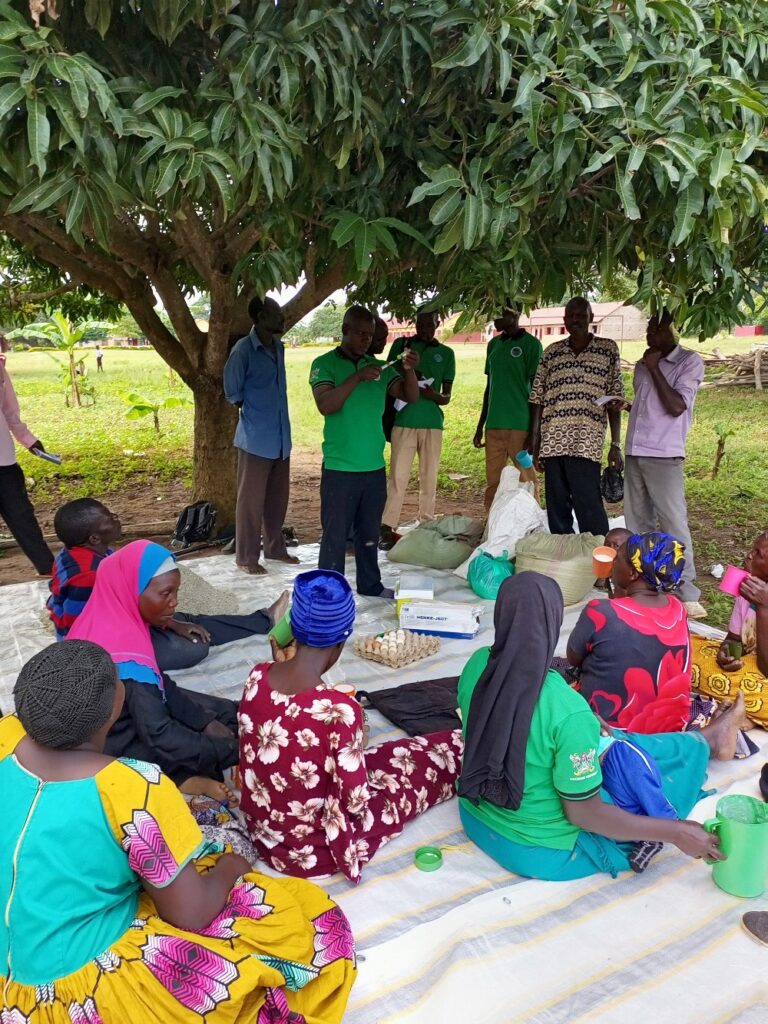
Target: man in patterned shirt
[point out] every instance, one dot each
(568, 427)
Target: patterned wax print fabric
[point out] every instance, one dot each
(708, 678)
(315, 798)
(566, 386)
(84, 942)
(636, 672)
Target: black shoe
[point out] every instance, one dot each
(290, 538)
(387, 538)
(764, 782)
(642, 854)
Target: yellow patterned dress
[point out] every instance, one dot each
(81, 942)
(707, 677)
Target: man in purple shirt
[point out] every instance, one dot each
(666, 381)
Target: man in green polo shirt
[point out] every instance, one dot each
(350, 388)
(418, 428)
(510, 365)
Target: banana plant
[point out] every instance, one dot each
(141, 406)
(60, 334)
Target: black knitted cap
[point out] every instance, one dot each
(65, 694)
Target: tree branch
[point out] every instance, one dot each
(18, 297)
(315, 291)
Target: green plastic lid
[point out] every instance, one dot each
(428, 858)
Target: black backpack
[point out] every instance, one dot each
(195, 524)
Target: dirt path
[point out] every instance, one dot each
(145, 505)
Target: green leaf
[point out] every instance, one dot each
(363, 254)
(406, 229)
(445, 207)
(627, 194)
(563, 148)
(720, 168)
(689, 206)
(38, 133)
(148, 100)
(472, 212)
(468, 52)
(10, 97)
(530, 78)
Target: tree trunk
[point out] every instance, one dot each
(214, 454)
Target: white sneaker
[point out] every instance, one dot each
(695, 610)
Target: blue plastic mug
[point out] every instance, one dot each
(524, 459)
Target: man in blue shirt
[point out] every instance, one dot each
(254, 381)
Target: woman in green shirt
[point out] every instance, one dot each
(530, 788)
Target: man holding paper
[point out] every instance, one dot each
(418, 428)
(568, 425)
(15, 506)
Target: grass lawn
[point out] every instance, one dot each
(105, 452)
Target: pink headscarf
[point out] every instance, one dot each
(111, 618)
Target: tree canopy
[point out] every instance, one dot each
(472, 149)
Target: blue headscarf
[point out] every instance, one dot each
(659, 558)
(323, 609)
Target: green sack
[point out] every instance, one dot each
(488, 572)
(441, 544)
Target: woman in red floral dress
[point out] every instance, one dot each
(634, 652)
(315, 799)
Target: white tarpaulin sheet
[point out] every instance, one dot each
(472, 942)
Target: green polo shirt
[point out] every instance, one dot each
(437, 361)
(560, 759)
(510, 365)
(353, 437)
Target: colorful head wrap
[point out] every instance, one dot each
(659, 558)
(112, 618)
(323, 609)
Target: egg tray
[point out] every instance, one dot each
(396, 648)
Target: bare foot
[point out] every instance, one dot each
(277, 610)
(722, 732)
(253, 570)
(198, 785)
(290, 559)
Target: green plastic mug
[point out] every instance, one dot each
(282, 632)
(741, 822)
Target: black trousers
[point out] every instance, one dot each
(573, 485)
(174, 652)
(16, 509)
(347, 501)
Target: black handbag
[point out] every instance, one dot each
(612, 485)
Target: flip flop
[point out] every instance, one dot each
(755, 924)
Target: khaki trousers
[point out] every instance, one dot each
(501, 446)
(262, 502)
(406, 443)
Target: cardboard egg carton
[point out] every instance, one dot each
(396, 648)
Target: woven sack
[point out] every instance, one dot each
(565, 558)
(441, 544)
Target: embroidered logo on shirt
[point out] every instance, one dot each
(438, 358)
(314, 375)
(583, 764)
(516, 352)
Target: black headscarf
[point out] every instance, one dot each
(527, 620)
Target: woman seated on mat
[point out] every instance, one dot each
(633, 652)
(530, 786)
(115, 910)
(191, 736)
(316, 801)
(88, 529)
(719, 669)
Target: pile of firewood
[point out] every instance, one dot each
(748, 369)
